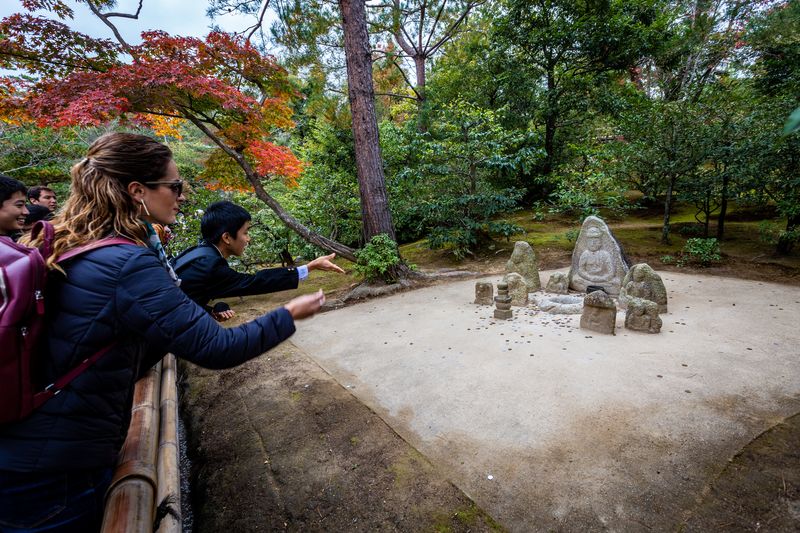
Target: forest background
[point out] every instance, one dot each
(346, 126)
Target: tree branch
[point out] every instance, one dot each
(104, 17)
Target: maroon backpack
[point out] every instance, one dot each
(23, 276)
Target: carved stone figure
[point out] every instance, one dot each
(523, 261)
(599, 313)
(517, 289)
(558, 283)
(642, 315)
(484, 293)
(597, 258)
(503, 303)
(643, 282)
(560, 305)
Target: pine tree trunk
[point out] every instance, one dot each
(667, 207)
(723, 208)
(375, 212)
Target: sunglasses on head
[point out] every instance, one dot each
(175, 186)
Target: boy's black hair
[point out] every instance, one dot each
(9, 186)
(37, 212)
(35, 192)
(220, 218)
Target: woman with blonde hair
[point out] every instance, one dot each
(56, 464)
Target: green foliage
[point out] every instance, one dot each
(667, 260)
(572, 235)
(463, 223)
(700, 251)
(378, 259)
(793, 123)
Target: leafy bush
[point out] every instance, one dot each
(667, 260)
(572, 235)
(462, 223)
(701, 251)
(377, 259)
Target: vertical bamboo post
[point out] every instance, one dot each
(130, 505)
(169, 484)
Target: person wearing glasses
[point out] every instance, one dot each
(122, 301)
(205, 273)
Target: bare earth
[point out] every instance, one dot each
(545, 426)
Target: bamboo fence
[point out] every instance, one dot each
(148, 471)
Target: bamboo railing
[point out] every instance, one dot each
(148, 470)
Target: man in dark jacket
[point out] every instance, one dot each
(204, 270)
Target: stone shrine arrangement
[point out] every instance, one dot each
(599, 313)
(523, 261)
(643, 282)
(597, 258)
(503, 303)
(484, 293)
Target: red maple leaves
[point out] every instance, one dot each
(220, 82)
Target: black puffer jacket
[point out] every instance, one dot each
(118, 294)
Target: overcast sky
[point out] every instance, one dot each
(176, 17)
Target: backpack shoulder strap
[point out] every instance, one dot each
(193, 253)
(48, 234)
(100, 243)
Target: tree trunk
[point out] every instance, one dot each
(786, 241)
(422, 116)
(375, 212)
(723, 208)
(551, 116)
(667, 207)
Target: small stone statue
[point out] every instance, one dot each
(643, 282)
(599, 313)
(558, 283)
(484, 293)
(523, 261)
(503, 302)
(597, 258)
(642, 315)
(517, 289)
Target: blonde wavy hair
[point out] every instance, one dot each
(99, 205)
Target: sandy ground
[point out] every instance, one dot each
(547, 426)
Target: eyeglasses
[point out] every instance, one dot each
(175, 186)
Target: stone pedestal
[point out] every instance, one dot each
(599, 313)
(503, 303)
(484, 293)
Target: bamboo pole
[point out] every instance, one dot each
(169, 484)
(130, 504)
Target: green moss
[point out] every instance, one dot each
(465, 520)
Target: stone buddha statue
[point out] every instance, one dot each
(597, 258)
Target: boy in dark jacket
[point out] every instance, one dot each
(204, 270)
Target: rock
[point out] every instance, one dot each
(517, 289)
(599, 313)
(642, 315)
(558, 283)
(560, 305)
(641, 281)
(484, 293)
(597, 258)
(523, 261)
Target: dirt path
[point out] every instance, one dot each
(279, 445)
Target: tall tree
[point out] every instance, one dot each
(377, 218)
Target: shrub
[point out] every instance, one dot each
(572, 235)
(701, 251)
(377, 259)
(667, 260)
